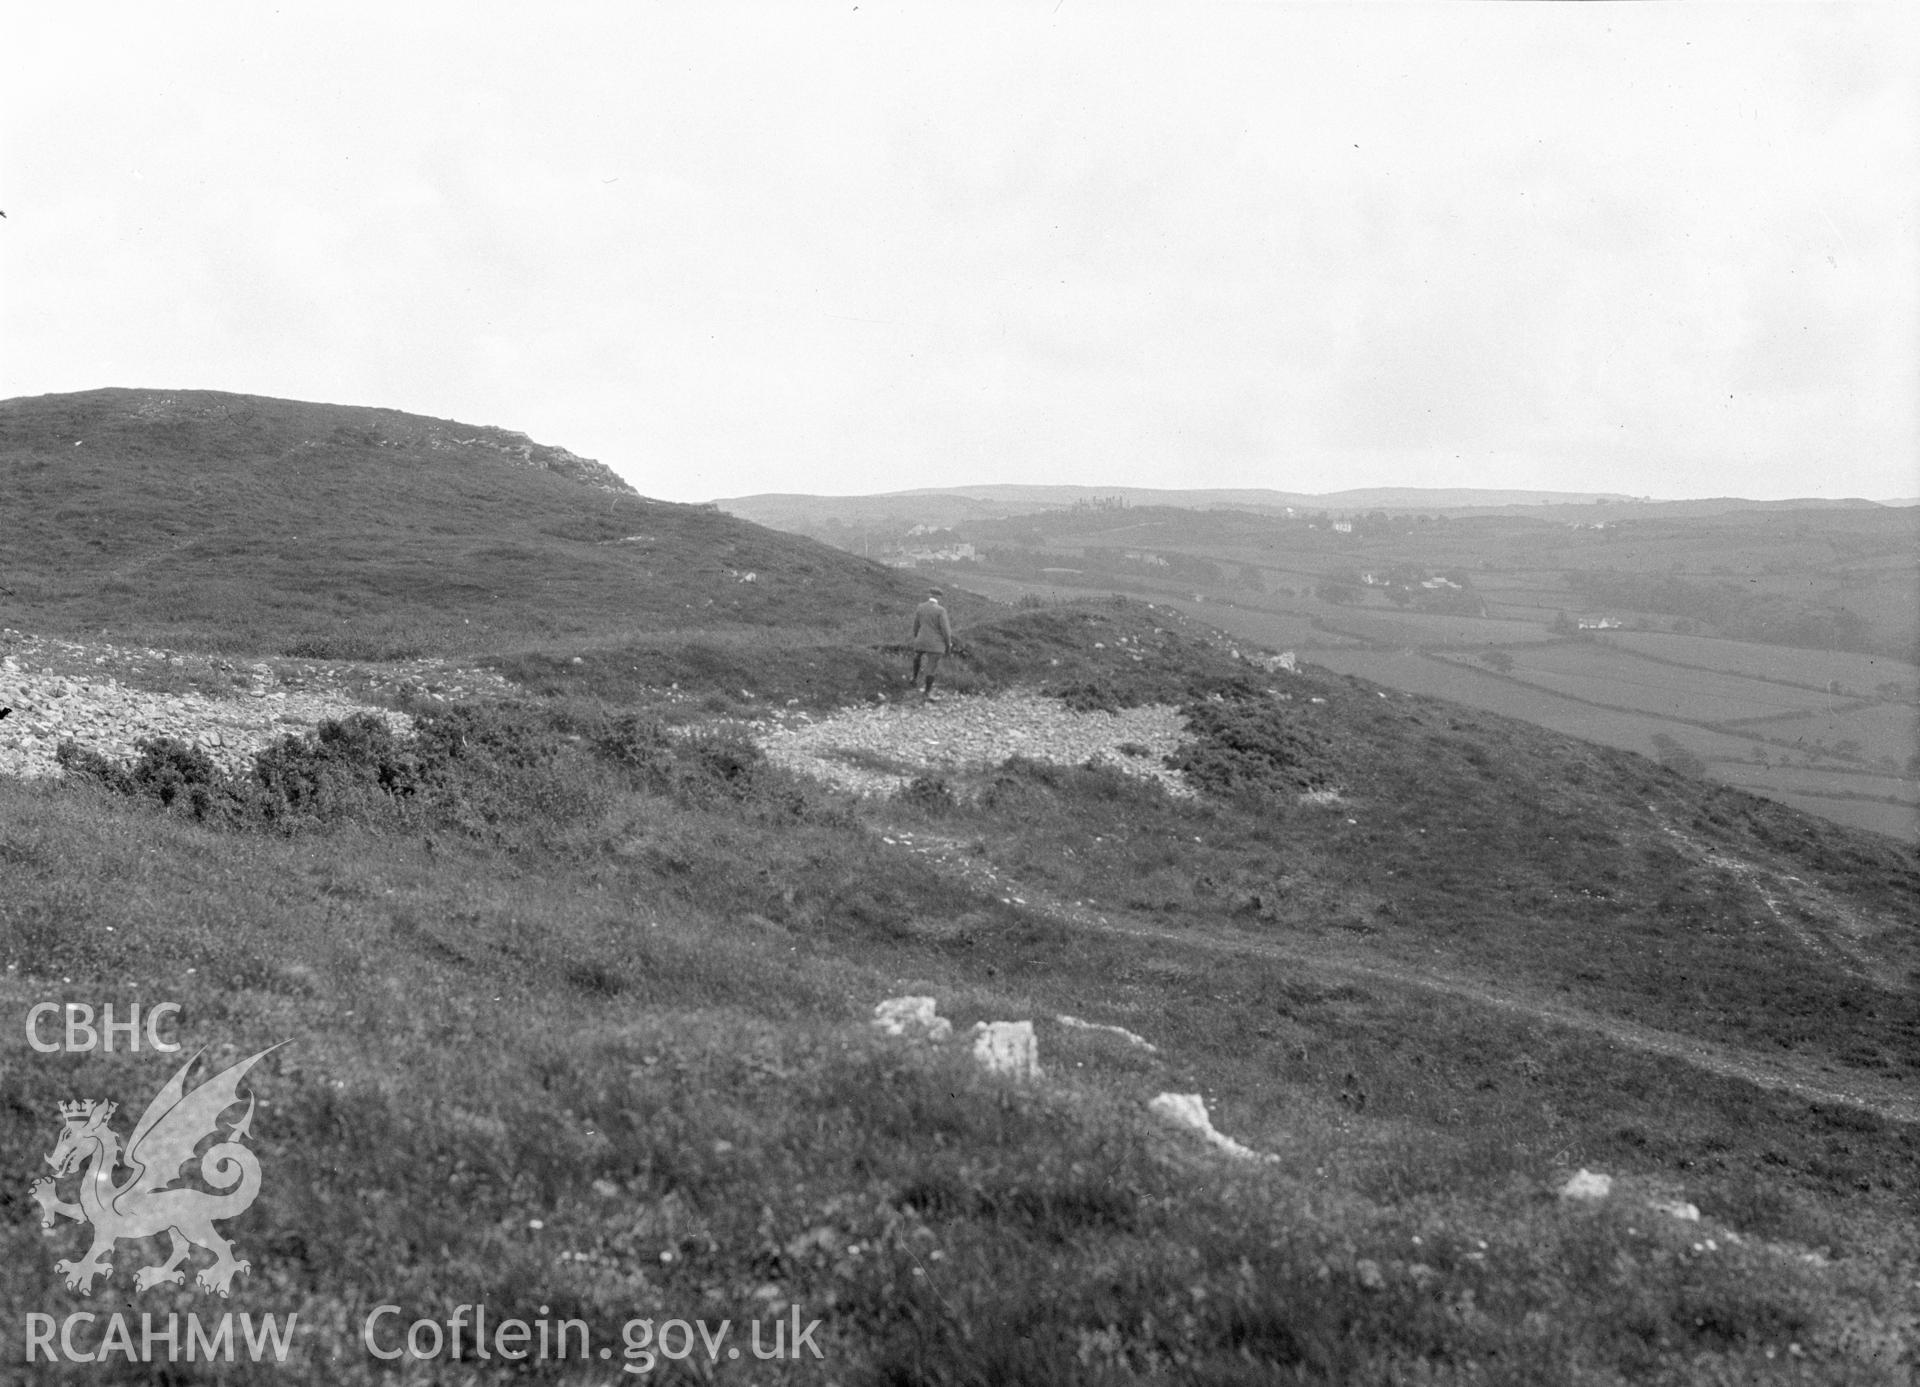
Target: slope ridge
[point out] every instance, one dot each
(241, 523)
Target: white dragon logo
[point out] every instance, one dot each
(142, 1205)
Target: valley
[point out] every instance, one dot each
(1769, 646)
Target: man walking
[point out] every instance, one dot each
(932, 641)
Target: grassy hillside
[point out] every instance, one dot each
(239, 523)
(578, 1021)
(575, 989)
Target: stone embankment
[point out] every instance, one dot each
(879, 750)
(108, 698)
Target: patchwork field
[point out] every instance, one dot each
(1880, 733)
(1455, 679)
(1278, 630)
(1620, 681)
(1746, 711)
(1844, 784)
(1815, 669)
(1419, 631)
(1593, 660)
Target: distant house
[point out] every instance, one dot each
(1343, 527)
(1435, 584)
(1599, 623)
(953, 553)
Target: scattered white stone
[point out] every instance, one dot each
(1675, 1208)
(108, 717)
(1587, 1184)
(1007, 1047)
(967, 732)
(912, 1017)
(1076, 1023)
(1190, 1110)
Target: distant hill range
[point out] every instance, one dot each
(199, 518)
(946, 506)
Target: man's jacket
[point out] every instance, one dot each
(931, 629)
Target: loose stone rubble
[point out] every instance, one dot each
(92, 693)
(879, 750)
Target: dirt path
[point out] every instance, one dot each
(1811, 1080)
(1826, 927)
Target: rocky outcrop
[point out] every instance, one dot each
(518, 448)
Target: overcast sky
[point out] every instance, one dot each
(1668, 250)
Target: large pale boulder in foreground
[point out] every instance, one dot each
(1007, 1047)
(1190, 1111)
(1587, 1184)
